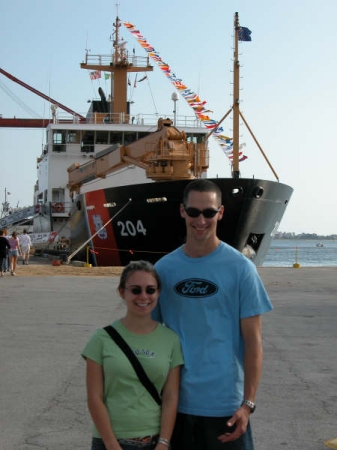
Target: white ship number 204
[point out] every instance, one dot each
(129, 229)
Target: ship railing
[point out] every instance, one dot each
(108, 60)
(60, 209)
(180, 121)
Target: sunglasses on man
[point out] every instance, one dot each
(207, 213)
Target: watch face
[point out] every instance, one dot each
(250, 405)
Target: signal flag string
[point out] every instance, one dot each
(194, 101)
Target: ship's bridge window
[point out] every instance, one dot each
(195, 138)
(87, 144)
(73, 137)
(102, 137)
(116, 138)
(141, 135)
(129, 137)
(59, 141)
(59, 137)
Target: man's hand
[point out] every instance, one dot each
(239, 421)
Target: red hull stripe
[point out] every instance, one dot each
(104, 243)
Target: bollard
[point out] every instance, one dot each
(87, 263)
(296, 265)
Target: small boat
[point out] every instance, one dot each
(319, 244)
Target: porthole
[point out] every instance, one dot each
(258, 192)
(237, 192)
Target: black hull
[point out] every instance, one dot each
(150, 225)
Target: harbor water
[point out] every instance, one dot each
(307, 253)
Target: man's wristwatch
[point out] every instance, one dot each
(251, 405)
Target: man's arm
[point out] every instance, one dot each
(251, 328)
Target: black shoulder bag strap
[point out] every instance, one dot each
(115, 336)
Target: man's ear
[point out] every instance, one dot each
(182, 211)
(221, 212)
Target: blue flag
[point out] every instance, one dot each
(244, 34)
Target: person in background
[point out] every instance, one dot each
(213, 297)
(25, 243)
(125, 415)
(4, 246)
(6, 259)
(14, 251)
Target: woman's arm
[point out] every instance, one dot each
(169, 406)
(97, 408)
(18, 245)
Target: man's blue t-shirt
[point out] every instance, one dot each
(203, 300)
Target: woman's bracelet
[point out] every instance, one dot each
(164, 441)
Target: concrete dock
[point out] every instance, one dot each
(45, 322)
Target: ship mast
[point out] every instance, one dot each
(237, 114)
(5, 206)
(236, 99)
(118, 64)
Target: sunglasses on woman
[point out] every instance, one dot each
(137, 290)
(207, 213)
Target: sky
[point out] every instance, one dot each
(288, 84)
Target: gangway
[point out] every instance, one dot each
(18, 216)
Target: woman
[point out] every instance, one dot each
(14, 251)
(125, 415)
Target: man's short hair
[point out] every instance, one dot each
(202, 185)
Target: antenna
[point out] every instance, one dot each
(87, 50)
(117, 4)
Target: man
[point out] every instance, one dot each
(6, 258)
(213, 298)
(25, 243)
(4, 246)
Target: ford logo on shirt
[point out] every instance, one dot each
(196, 287)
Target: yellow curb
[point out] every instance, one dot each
(332, 443)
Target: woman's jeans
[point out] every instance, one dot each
(5, 265)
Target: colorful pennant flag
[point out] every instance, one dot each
(192, 98)
(95, 75)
